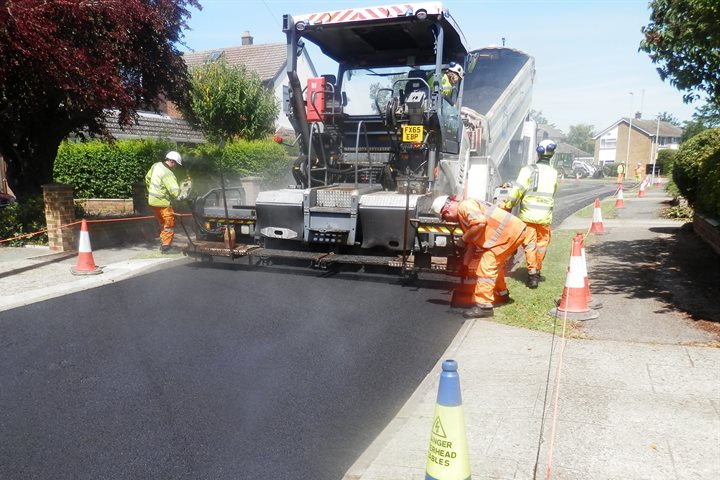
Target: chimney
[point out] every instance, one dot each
(638, 115)
(246, 38)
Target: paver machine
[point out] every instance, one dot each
(379, 140)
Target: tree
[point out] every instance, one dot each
(228, 102)
(537, 115)
(581, 136)
(669, 118)
(682, 37)
(65, 64)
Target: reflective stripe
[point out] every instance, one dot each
(542, 194)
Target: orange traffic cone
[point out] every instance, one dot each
(594, 304)
(574, 302)
(85, 263)
(462, 295)
(641, 192)
(619, 201)
(597, 223)
(447, 456)
(658, 182)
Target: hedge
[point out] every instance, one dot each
(696, 171)
(99, 169)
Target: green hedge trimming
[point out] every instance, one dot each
(99, 169)
(696, 171)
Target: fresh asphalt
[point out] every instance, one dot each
(638, 398)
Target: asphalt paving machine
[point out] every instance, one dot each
(379, 141)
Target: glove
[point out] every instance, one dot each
(185, 188)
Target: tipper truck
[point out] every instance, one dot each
(379, 140)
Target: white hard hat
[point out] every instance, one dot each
(546, 148)
(456, 68)
(438, 204)
(175, 156)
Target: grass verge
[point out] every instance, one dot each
(530, 308)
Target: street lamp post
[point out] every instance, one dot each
(627, 154)
(657, 146)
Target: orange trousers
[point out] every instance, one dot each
(165, 217)
(491, 274)
(543, 235)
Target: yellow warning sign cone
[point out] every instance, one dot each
(448, 453)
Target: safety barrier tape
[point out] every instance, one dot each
(68, 225)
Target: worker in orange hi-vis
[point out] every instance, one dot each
(638, 172)
(620, 173)
(495, 235)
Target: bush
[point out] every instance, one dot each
(108, 170)
(696, 171)
(22, 218)
(99, 169)
(241, 158)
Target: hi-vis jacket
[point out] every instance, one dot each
(161, 185)
(446, 87)
(534, 189)
(488, 226)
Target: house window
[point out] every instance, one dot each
(608, 142)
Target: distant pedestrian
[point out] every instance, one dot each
(534, 192)
(638, 172)
(495, 235)
(620, 173)
(163, 188)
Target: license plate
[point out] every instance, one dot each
(412, 133)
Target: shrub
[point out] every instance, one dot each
(240, 158)
(22, 218)
(99, 169)
(698, 158)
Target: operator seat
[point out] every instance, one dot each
(417, 80)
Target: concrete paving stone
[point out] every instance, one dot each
(608, 452)
(516, 438)
(671, 414)
(701, 357)
(390, 472)
(697, 457)
(685, 380)
(495, 468)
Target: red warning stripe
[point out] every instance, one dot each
(360, 14)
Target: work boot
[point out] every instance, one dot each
(533, 280)
(479, 312)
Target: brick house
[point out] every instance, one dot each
(646, 138)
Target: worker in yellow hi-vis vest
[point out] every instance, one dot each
(534, 192)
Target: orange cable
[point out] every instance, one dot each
(88, 221)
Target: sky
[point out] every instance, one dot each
(588, 68)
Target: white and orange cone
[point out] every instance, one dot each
(574, 303)
(620, 200)
(592, 303)
(85, 262)
(641, 192)
(597, 222)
